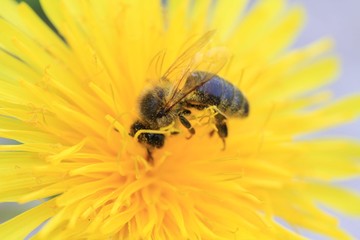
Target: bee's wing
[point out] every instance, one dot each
(155, 67)
(181, 68)
(210, 62)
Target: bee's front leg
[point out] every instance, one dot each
(149, 156)
(186, 122)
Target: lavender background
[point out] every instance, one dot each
(341, 21)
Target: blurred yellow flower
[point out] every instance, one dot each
(70, 101)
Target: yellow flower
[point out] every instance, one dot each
(70, 101)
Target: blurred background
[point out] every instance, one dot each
(337, 19)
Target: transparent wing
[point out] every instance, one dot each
(155, 67)
(180, 68)
(182, 64)
(196, 58)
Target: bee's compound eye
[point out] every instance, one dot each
(156, 140)
(136, 126)
(152, 139)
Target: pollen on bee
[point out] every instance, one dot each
(168, 130)
(207, 115)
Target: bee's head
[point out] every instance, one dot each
(135, 127)
(152, 139)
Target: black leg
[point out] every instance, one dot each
(220, 123)
(186, 122)
(149, 156)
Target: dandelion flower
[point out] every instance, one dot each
(69, 103)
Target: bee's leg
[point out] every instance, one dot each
(149, 156)
(220, 123)
(186, 122)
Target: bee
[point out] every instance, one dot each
(182, 88)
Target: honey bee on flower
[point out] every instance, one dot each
(182, 88)
(63, 93)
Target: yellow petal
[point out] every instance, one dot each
(20, 226)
